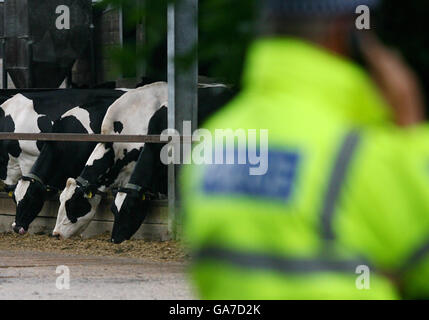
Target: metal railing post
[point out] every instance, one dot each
(183, 86)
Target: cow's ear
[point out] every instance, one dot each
(70, 182)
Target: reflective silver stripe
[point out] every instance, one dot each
(267, 262)
(336, 182)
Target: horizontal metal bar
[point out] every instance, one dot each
(77, 137)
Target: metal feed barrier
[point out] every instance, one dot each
(81, 137)
(100, 138)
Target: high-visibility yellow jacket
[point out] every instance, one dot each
(345, 188)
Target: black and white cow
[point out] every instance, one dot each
(148, 179)
(111, 164)
(150, 175)
(34, 112)
(59, 160)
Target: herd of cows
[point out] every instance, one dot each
(83, 172)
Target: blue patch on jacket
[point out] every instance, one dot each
(235, 179)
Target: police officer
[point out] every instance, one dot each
(343, 209)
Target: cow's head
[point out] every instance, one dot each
(29, 196)
(130, 210)
(78, 205)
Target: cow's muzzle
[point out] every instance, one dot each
(118, 240)
(55, 235)
(19, 229)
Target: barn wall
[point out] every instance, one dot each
(107, 36)
(155, 227)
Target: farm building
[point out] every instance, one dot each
(109, 31)
(41, 56)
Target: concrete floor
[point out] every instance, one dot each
(31, 275)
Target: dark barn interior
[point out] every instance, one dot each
(40, 56)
